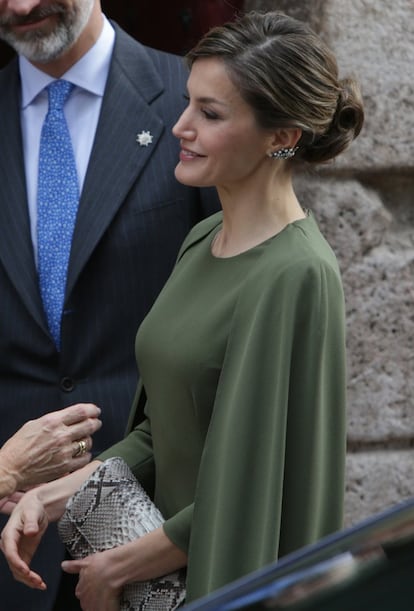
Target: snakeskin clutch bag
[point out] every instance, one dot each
(112, 508)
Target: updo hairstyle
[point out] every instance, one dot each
(289, 77)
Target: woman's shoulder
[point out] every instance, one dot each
(301, 245)
(298, 257)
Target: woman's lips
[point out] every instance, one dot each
(187, 155)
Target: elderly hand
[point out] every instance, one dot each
(50, 446)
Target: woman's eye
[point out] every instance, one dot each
(210, 115)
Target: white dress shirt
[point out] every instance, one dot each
(89, 75)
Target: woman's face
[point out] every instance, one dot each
(221, 143)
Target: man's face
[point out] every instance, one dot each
(43, 30)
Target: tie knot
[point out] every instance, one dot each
(59, 92)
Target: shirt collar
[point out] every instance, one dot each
(89, 73)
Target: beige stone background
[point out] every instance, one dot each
(364, 203)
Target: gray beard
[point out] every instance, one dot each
(43, 48)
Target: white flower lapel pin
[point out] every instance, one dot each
(144, 138)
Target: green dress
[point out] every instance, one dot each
(243, 440)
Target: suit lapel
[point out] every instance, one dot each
(126, 111)
(16, 249)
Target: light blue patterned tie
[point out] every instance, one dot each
(57, 205)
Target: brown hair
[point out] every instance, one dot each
(289, 77)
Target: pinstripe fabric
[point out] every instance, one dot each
(132, 218)
(16, 251)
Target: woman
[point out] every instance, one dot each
(242, 357)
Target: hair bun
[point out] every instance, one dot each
(346, 124)
(349, 115)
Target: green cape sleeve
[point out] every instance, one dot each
(271, 477)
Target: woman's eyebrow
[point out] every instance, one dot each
(209, 100)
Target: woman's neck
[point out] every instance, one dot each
(251, 217)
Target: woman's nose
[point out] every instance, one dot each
(182, 128)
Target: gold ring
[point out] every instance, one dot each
(82, 447)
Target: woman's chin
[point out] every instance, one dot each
(187, 178)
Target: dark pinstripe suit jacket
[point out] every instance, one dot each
(133, 216)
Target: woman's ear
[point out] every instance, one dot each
(283, 143)
(284, 138)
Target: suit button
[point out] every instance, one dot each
(67, 384)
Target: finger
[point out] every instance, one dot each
(33, 523)
(72, 566)
(81, 454)
(9, 503)
(76, 413)
(32, 579)
(6, 507)
(17, 565)
(84, 429)
(81, 447)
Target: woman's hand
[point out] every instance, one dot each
(21, 537)
(103, 575)
(96, 588)
(30, 518)
(48, 447)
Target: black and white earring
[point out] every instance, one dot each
(285, 153)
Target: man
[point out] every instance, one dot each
(131, 218)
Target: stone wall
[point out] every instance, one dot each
(365, 205)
